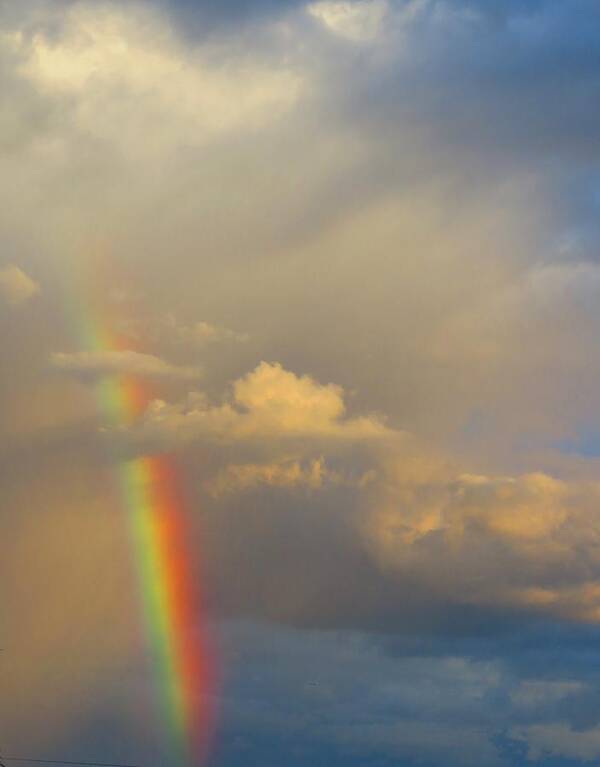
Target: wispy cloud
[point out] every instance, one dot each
(109, 363)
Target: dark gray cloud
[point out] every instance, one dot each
(350, 697)
(497, 83)
(353, 698)
(201, 14)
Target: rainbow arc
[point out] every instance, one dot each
(150, 490)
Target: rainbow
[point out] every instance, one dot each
(150, 491)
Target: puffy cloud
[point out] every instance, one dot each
(289, 401)
(526, 542)
(268, 406)
(16, 287)
(528, 508)
(492, 542)
(108, 363)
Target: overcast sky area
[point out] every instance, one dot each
(353, 247)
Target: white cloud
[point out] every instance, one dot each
(130, 80)
(355, 20)
(16, 287)
(107, 363)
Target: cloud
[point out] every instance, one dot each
(268, 406)
(203, 334)
(284, 474)
(113, 66)
(372, 244)
(200, 19)
(355, 20)
(525, 542)
(108, 363)
(418, 521)
(429, 499)
(16, 287)
(528, 508)
(558, 739)
(447, 702)
(405, 205)
(459, 539)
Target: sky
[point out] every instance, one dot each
(350, 249)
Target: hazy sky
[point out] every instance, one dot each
(353, 248)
